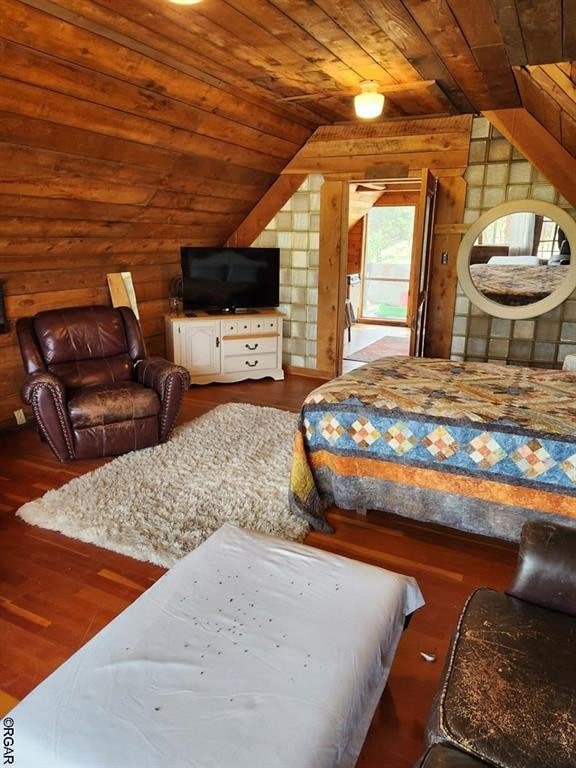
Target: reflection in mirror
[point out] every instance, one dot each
(519, 258)
(514, 261)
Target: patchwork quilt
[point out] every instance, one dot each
(517, 284)
(473, 445)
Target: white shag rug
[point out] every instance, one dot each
(230, 465)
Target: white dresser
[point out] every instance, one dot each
(227, 348)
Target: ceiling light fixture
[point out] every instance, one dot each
(185, 2)
(369, 103)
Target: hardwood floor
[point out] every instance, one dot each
(56, 593)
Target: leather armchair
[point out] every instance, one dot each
(92, 389)
(507, 696)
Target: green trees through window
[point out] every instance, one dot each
(387, 257)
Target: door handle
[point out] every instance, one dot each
(217, 341)
(250, 347)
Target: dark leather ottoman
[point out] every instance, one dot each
(508, 691)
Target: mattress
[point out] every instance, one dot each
(251, 652)
(476, 446)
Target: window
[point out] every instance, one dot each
(387, 257)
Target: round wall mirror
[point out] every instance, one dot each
(518, 260)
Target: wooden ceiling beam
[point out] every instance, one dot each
(550, 95)
(539, 147)
(368, 151)
(265, 209)
(539, 103)
(556, 84)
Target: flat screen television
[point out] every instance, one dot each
(224, 279)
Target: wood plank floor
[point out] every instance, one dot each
(56, 593)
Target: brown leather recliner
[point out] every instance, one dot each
(93, 390)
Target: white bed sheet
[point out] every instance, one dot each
(251, 652)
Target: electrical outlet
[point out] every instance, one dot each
(20, 416)
(444, 257)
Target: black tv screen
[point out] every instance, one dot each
(227, 279)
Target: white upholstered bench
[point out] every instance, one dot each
(251, 652)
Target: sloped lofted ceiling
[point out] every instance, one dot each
(170, 121)
(129, 128)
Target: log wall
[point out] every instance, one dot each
(110, 161)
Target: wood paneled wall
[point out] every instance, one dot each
(111, 160)
(355, 241)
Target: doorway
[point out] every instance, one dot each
(387, 256)
(380, 253)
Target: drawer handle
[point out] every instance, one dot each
(251, 348)
(251, 365)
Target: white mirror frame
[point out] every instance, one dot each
(567, 224)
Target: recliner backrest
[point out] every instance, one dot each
(85, 345)
(546, 570)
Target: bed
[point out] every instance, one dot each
(517, 284)
(232, 660)
(475, 446)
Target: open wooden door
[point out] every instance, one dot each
(420, 265)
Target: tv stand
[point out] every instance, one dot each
(227, 348)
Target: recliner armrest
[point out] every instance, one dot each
(157, 373)
(46, 380)
(170, 381)
(546, 570)
(47, 396)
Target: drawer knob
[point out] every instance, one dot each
(251, 347)
(252, 365)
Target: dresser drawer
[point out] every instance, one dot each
(229, 327)
(255, 346)
(248, 362)
(263, 324)
(236, 326)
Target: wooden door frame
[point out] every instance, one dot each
(334, 200)
(421, 258)
(332, 269)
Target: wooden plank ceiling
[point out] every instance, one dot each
(149, 120)
(127, 129)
